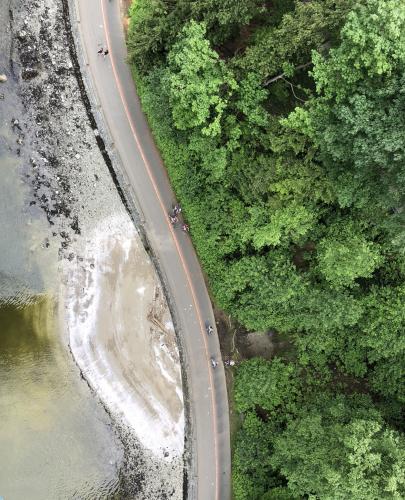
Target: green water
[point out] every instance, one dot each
(56, 441)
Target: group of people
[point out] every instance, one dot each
(214, 362)
(227, 362)
(102, 52)
(174, 218)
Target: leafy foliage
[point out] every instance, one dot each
(252, 453)
(358, 118)
(344, 255)
(282, 128)
(196, 81)
(340, 449)
(275, 385)
(279, 493)
(287, 45)
(373, 44)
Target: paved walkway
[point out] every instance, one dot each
(99, 24)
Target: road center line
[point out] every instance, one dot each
(171, 229)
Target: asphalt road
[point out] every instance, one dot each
(99, 24)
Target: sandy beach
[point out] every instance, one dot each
(122, 337)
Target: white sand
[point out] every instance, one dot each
(122, 337)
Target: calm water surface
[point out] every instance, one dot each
(55, 440)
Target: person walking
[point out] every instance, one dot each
(105, 52)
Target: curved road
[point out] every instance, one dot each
(99, 23)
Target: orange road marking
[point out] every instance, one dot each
(173, 234)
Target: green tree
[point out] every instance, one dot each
(149, 26)
(225, 17)
(358, 118)
(250, 100)
(288, 222)
(265, 384)
(155, 24)
(383, 324)
(261, 292)
(373, 45)
(345, 255)
(388, 377)
(310, 25)
(197, 82)
(340, 449)
(279, 493)
(251, 459)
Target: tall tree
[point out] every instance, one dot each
(345, 255)
(340, 449)
(288, 45)
(358, 120)
(197, 82)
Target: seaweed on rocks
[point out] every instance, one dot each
(87, 105)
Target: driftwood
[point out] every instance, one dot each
(152, 318)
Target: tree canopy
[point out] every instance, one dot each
(282, 128)
(340, 449)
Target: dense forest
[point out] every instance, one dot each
(282, 126)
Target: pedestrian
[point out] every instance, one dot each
(100, 51)
(105, 52)
(185, 228)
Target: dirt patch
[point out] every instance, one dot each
(264, 344)
(239, 344)
(125, 5)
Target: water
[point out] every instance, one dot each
(55, 440)
(22, 236)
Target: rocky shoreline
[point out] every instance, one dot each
(72, 182)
